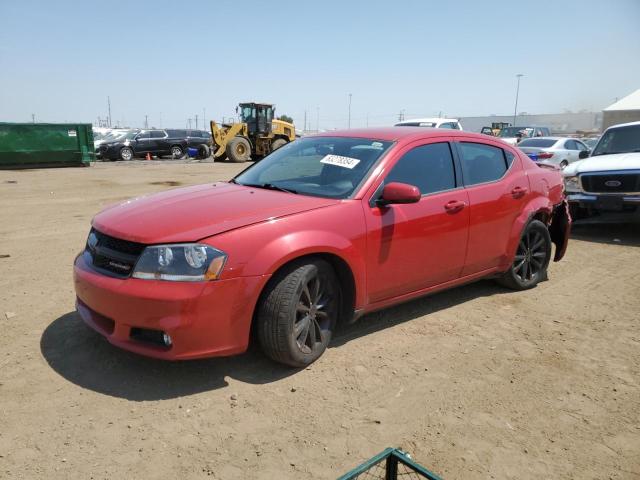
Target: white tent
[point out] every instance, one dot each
(625, 110)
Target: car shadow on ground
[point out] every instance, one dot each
(85, 358)
(417, 308)
(609, 233)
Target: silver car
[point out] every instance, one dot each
(558, 151)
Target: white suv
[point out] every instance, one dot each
(609, 180)
(452, 123)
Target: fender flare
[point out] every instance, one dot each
(533, 208)
(307, 244)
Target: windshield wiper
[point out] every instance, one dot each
(269, 186)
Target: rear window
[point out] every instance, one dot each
(537, 142)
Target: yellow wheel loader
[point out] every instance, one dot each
(256, 135)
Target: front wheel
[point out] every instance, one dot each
(531, 260)
(239, 149)
(126, 153)
(298, 312)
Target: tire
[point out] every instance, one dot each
(297, 313)
(203, 151)
(564, 164)
(239, 149)
(531, 260)
(176, 151)
(126, 154)
(277, 143)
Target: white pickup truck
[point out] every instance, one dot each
(608, 181)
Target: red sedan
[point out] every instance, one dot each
(321, 231)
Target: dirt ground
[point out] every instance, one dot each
(477, 382)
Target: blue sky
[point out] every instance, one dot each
(170, 60)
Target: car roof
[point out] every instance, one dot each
(399, 133)
(428, 120)
(630, 124)
(549, 138)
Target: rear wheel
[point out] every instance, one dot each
(277, 143)
(531, 260)
(298, 312)
(126, 153)
(176, 151)
(239, 149)
(203, 151)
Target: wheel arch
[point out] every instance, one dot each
(538, 209)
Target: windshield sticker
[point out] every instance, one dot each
(340, 161)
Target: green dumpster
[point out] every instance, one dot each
(31, 145)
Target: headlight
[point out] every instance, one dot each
(572, 184)
(186, 262)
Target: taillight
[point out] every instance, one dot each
(544, 155)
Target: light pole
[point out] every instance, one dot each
(515, 109)
(349, 124)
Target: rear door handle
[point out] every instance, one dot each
(519, 192)
(454, 206)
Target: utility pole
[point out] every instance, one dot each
(401, 115)
(146, 121)
(305, 121)
(349, 124)
(515, 109)
(196, 121)
(33, 118)
(109, 106)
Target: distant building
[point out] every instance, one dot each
(623, 111)
(559, 123)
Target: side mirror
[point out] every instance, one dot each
(583, 154)
(396, 192)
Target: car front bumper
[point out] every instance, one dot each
(204, 319)
(605, 208)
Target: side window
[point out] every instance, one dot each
(510, 157)
(581, 146)
(571, 145)
(481, 163)
(143, 136)
(428, 167)
(446, 125)
(157, 134)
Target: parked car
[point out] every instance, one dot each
(199, 139)
(137, 143)
(452, 123)
(608, 182)
(557, 151)
(318, 233)
(513, 135)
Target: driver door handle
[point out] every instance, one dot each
(454, 206)
(519, 192)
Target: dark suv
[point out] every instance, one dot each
(138, 143)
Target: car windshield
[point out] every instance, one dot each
(590, 142)
(331, 167)
(514, 131)
(537, 142)
(619, 140)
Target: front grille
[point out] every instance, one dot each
(114, 255)
(611, 182)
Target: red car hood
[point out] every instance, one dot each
(192, 213)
